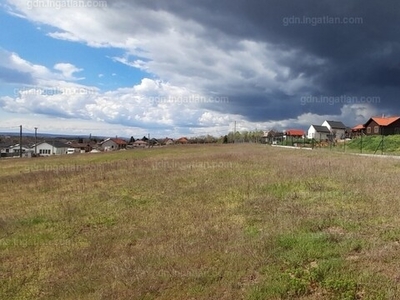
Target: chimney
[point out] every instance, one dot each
(383, 115)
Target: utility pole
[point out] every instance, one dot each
(234, 133)
(35, 141)
(20, 140)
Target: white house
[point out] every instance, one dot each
(336, 128)
(112, 144)
(318, 132)
(51, 148)
(13, 150)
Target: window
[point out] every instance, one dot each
(44, 151)
(368, 129)
(376, 129)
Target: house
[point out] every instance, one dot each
(8, 150)
(26, 150)
(140, 144)
(154, 142)
(357, 130)
(167, 141)
(272, 136)
(81, 147)
(182, 141)
(51, 148)
(112, 144)
(318, 132)
(5, 149)
(336, 128)
(295, 133)
(382, 125)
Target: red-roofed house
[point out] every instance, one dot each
(182, 140)
(357, 130)
(382, 125)
(297, 133)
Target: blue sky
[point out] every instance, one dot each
(174, 68)
(30, 42)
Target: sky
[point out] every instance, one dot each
(189, 68)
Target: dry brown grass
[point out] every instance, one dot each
(200, 222)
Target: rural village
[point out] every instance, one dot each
(328, 131)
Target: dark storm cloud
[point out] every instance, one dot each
(359, 58)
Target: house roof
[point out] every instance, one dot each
(5, 145)
(16, 146)
(358, 127)
(295, 132)
(272, 133)
(118, 141)
(139, 142)
(166, 140)
(58, 144)
(182, 139)
(319, 128)
(336, 124)
(383, 121)
(79, 145)
(55, 144)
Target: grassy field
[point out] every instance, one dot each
(200, 222)
(372, 144)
